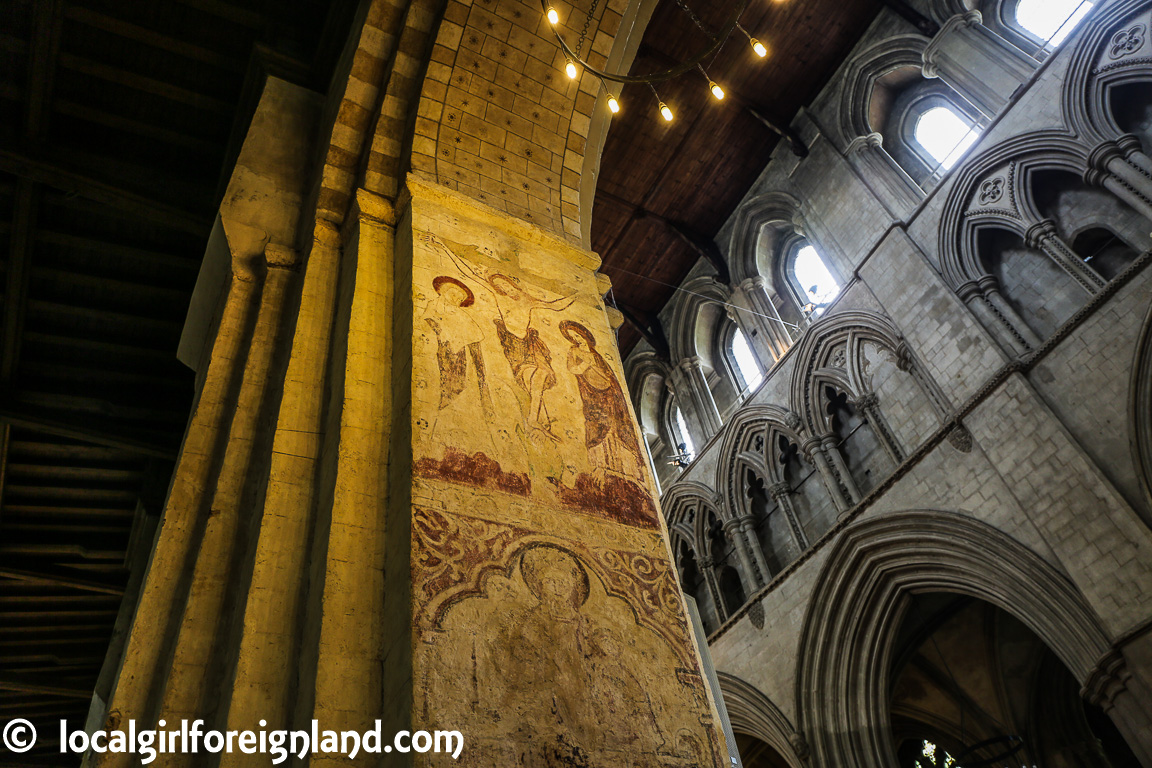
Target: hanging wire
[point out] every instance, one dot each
(702, 296)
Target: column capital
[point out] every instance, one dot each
(779, 490)
(705, 562)
(867, 401)
(863, 143)
(692, 363)
(1039, 232)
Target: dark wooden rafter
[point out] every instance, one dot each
(36, 572)
(652, 331)
(923, 24)
(703, 245)
(44, 172)
(89, 430)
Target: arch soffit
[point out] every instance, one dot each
(751, 218)
(816, 365)
(862, 73)
(694, 295)
(942, 10)
(738, 454)
(638, 368)
(754, 714)
(854, 612)
(1091, 71)
(993, 188)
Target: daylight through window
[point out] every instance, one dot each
(945, 135)
(745, 360)
(813, 277)
(1051, 20)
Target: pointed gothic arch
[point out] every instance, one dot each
(854, 613)
(752, 713)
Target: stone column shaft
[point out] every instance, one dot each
(782, 493)
(815, 452)
(831, 447)
(701, 402)
(771, 338)
(869, 404)
(1044, 237)
(980, 65)
(748, 528)
(750, 570)
(890, 183)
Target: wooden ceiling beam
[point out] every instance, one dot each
(652, 333)
(46, 684)
(147, 130)
(47, 19)
(44, 172)
(41, 573)
(88, 430)
(117, 250)
(154, 39)
(143, 83)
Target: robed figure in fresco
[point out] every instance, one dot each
(526, 352)
(463, 385)
(608, 432)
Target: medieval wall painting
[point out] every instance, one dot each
(566, 658)
(512, 392)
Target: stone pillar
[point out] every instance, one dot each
(1044, 237)
(1121, 167)
(997, 316)
(752, 577)
(758, 317)
(782, 494)
(700, 409)
(831, 445)
(977, 63)
(708, 571)
(813, 448)
(890, 183)
(1124, 699)
(869, 405)
(748, 528)
(523, 531)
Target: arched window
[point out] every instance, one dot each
(944, 134)
(1050, 21)
(746, 366)
(685, 449)
(812, 281)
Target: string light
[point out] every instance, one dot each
(574, 64)
(717, 91)
(757, 46)
(665, 110)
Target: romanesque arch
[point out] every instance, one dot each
(855, 609)
(772, 208)
(860, 79)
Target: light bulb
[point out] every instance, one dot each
(758, 46)
(553, 16)
(717, 91)
(665, 112)
(613, 105)
(570, 68)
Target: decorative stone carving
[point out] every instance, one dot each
(992, 190)
(1126, 42)
(756, 614)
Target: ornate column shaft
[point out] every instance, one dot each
(748, 528)
(1121, 167)
(750, 570)
(980, 65)
(1043, 236)
(708, 571)
(814, 450)
(1124, 700)
(831, 446)
(760, 320)
(701, 402)
(890, 183)
(984, 299)
(869, 404)
(782, 494)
